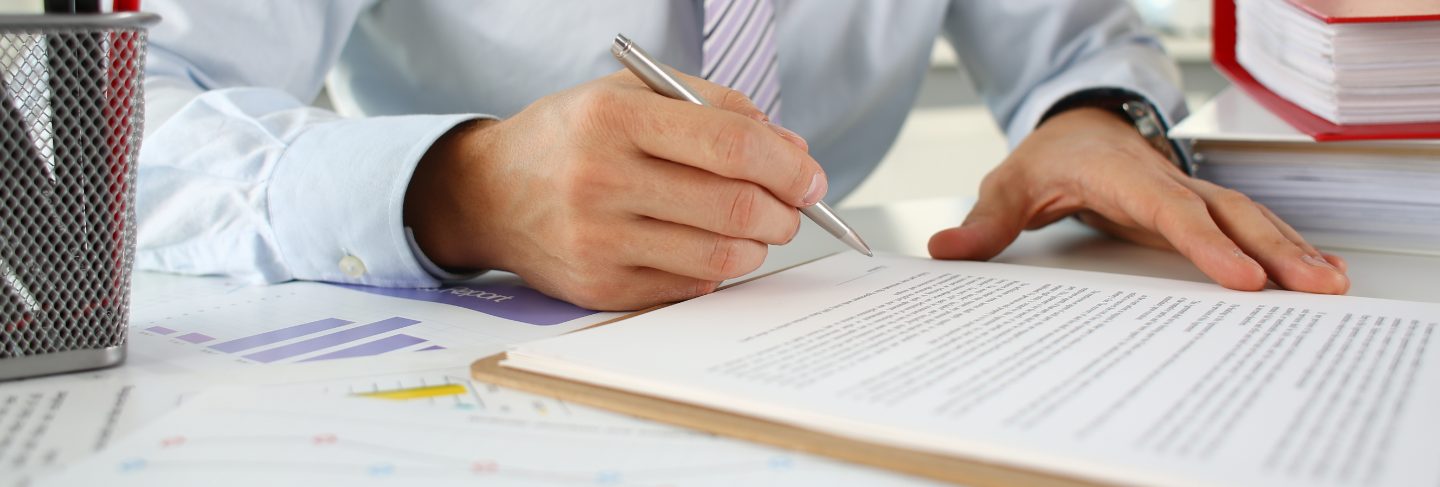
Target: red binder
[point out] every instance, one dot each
(1332, 12)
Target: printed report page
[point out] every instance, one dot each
(1100, 376)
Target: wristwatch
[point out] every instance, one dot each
(1138, 110)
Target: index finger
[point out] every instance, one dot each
(725, 143)
(717, 95)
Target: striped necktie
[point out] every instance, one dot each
(739, 50)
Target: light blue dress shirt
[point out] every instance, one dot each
(239, 175)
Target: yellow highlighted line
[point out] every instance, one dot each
(417, 392)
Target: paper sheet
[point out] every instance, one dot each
(48, 423)
(225, 327)
(1116, 378)
(486, 436)
(179, 327)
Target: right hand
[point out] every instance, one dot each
(611, 196)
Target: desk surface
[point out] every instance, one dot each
(905, 228)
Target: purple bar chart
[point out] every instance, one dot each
(325, 339)
(273, 337)
(196, 337)
(377, 347)
(330, 341)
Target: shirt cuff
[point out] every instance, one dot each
(434, 269)
(336, 200)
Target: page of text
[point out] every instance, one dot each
(1103, 376)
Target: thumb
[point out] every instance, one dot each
(991, 226)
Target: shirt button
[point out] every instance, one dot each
(352, 266)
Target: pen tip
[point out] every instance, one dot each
(858, 243)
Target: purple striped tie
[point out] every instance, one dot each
(739, 50)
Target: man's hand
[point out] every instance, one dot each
(1091, 162)
(611, 196)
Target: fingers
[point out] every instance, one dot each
(734, 147)
(1183, 219)
(1338, 262)
(691, 252)
(1284, 228)
(658, 286)
(996, 220)
(1133, 234)
(638, 288)
(736, 142)
(726, 98)
(1287, 258)
(723, 97)
(688, 196)
(1294, 236)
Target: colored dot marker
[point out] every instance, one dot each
(382, 470)
(607, 477)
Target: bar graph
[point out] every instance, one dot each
(277, 336)
(324, 339)
(309, 322)
(387, 344)
(339, 338)
(195, 337)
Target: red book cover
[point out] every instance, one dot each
(1333, 12)
(1370, 11)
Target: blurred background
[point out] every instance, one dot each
(950, 142)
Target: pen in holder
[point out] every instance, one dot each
(70, 128)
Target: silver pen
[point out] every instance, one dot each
(659, 79)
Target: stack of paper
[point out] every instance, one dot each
(1372, 195)
(1347, 73)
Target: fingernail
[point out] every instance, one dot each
(1243, 255)
(760, 117)
(789, 135)
(1335, 260)
(1317, 262)
(818, 186)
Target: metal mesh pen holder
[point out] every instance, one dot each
(70, 127)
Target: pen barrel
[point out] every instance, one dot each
(652, 73)
(71, 109)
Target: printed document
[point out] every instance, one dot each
(1097, 376)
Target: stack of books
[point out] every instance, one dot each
(1347, 61)
(1368, 195)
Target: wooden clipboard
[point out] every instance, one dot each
(725, 423)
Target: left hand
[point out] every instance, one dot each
(1091, 162)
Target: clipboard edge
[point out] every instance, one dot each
(748, 428)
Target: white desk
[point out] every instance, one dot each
(905, 228)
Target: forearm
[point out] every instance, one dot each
(1056, 49)
(252, 183)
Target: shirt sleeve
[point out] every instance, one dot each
(240, 176)
(1027, 55)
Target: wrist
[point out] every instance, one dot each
(440, 203)
(1138, 113)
